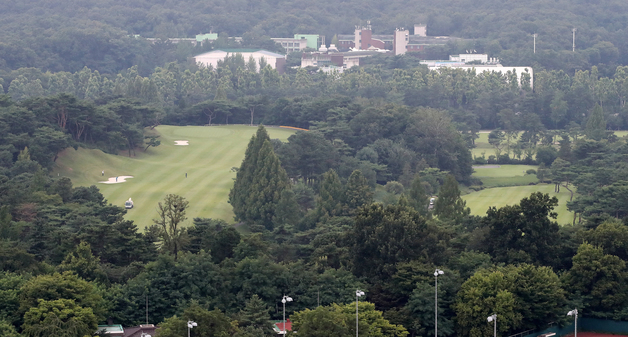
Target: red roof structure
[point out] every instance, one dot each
(278, 326)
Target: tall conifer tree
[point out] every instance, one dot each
(417, 196)
(357, 192)
(259, 183)
(331, 196)
(449, 206)
(596, 124)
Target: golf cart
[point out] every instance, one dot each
(128, 204)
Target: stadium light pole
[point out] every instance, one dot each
(436, 273)
(358, 293)
(284, 300)
(535, 35)
(493, 318)
(574, 313)
(191, 324)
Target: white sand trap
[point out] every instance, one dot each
(181, 142)
(113, 180)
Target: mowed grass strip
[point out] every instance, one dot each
(480, 201)
(207, 160)
(504, 175)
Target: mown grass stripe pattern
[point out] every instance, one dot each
(208, 159)
(480, 201)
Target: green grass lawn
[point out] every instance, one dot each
(505, 175)
(480, 201)
(207, 160)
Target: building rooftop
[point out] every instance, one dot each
(278, 326)
(242, 50)
(111, 329)
(417, 39)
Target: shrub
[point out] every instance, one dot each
(394, 187)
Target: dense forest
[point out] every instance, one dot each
(63, 35)
(307, 224)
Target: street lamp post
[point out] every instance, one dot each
(284, 300)
(436, 273)
(574, 313)
(493, 318)
(191, 324)
(358, 293)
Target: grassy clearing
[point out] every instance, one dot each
(480, 201)
(505, 175)
(207, 160)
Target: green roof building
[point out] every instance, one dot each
(312, 39)
(209, 36)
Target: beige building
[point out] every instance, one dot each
(276, 61)
(291, 44)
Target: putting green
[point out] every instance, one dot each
(480, 201)
(207, 161)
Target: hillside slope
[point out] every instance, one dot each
(207, 161)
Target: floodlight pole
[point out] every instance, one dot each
(191, 324)
(574, 313)
(573, 45)
(436, 273)
(535, 35)
(284, 300)
(493, 318)
(358, 293)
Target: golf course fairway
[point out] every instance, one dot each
(480, 201)
(207, 159)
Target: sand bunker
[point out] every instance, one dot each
(113, 180)
(181, 142)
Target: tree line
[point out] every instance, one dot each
(103, 34)
(70, 260)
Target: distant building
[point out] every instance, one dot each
(312, 39)
(406, 43)
(200, 38)
(276, 61)
(363, 39)
(420, 29)
(335, 60)
(280, 327)
(466, 58)
(346, 42)
(299, 42)
(116, 330)
(290, 44)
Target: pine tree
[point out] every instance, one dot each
(564, 152)
(255, 314)
(596, 124)
(331, 196)
(259, 183)
(357, 192)
(417, 196)
(449, 206)
(245, 176)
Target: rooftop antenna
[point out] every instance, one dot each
(573, 46)
(534, 36)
